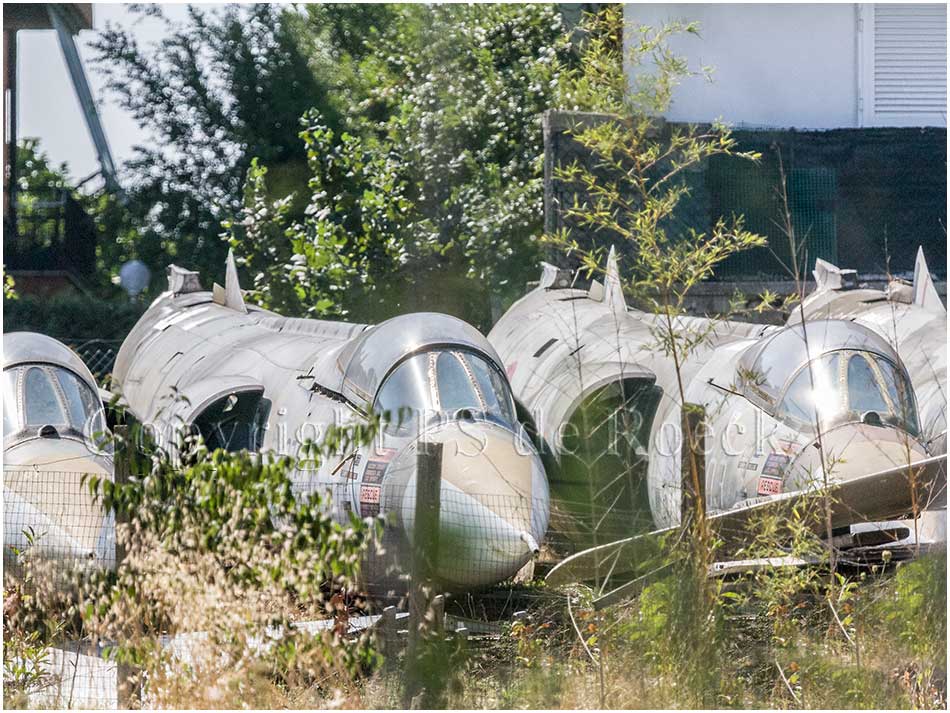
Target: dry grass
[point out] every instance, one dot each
(889, 653)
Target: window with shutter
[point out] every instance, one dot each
(904, 65)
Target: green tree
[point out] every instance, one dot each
(216, 91)
(38, 182)
(434, 184)
(629, 190)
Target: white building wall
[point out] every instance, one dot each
(776, 65)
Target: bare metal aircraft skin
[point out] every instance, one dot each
(52, 414)
(913, 320)
(253, 379)
(911, 317)
(763, 389)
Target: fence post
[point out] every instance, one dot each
(693, 452)
(425, 552)
(126, 685)
(438, 613)
(388, 634)
(122, 467)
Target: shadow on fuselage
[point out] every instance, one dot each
(599, 483)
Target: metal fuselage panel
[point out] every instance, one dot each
(184, 343)
(558, 345)
(918, 335)
(494, 501)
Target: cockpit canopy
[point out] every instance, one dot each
(38, 395)
(826, 373)
(442, 383)
(367, 359)
(46, 384)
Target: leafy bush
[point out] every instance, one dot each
(223, 544)
(222, 549)
(437, 170)
(71, 316)
(9, 287)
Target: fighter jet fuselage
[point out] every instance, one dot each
(785, 409)
(247, 378)
(913, 320)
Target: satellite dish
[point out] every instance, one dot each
(134, 277)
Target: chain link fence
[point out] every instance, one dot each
(98, 354)
(867, 197)
(55, 529)
(52, 522)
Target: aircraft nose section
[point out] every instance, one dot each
(493, 510)
(49, 513)
(852, 450)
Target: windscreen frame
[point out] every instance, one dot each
(434, 352)
(907, 421)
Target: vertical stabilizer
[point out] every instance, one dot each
(232, 290)
(925, 292)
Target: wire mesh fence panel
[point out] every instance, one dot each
(726, 187)
(483, 538)
(74, 674)
(485, 542)
(52, 520)
(812, 193)
(52, 517)
(55, 534)
(98, 354)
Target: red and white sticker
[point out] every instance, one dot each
(769, 486)
(369, 494)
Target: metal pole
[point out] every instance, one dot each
(126, 685)
(425, 552)
(84, 94)
(10, 150)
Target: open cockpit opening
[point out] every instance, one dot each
(234, 422)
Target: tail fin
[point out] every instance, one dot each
(610, 292)
(230, 295)
(925, 292)
(613, 287)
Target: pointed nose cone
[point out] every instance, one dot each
(493, 510)
(852, 450)
(855, 450)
